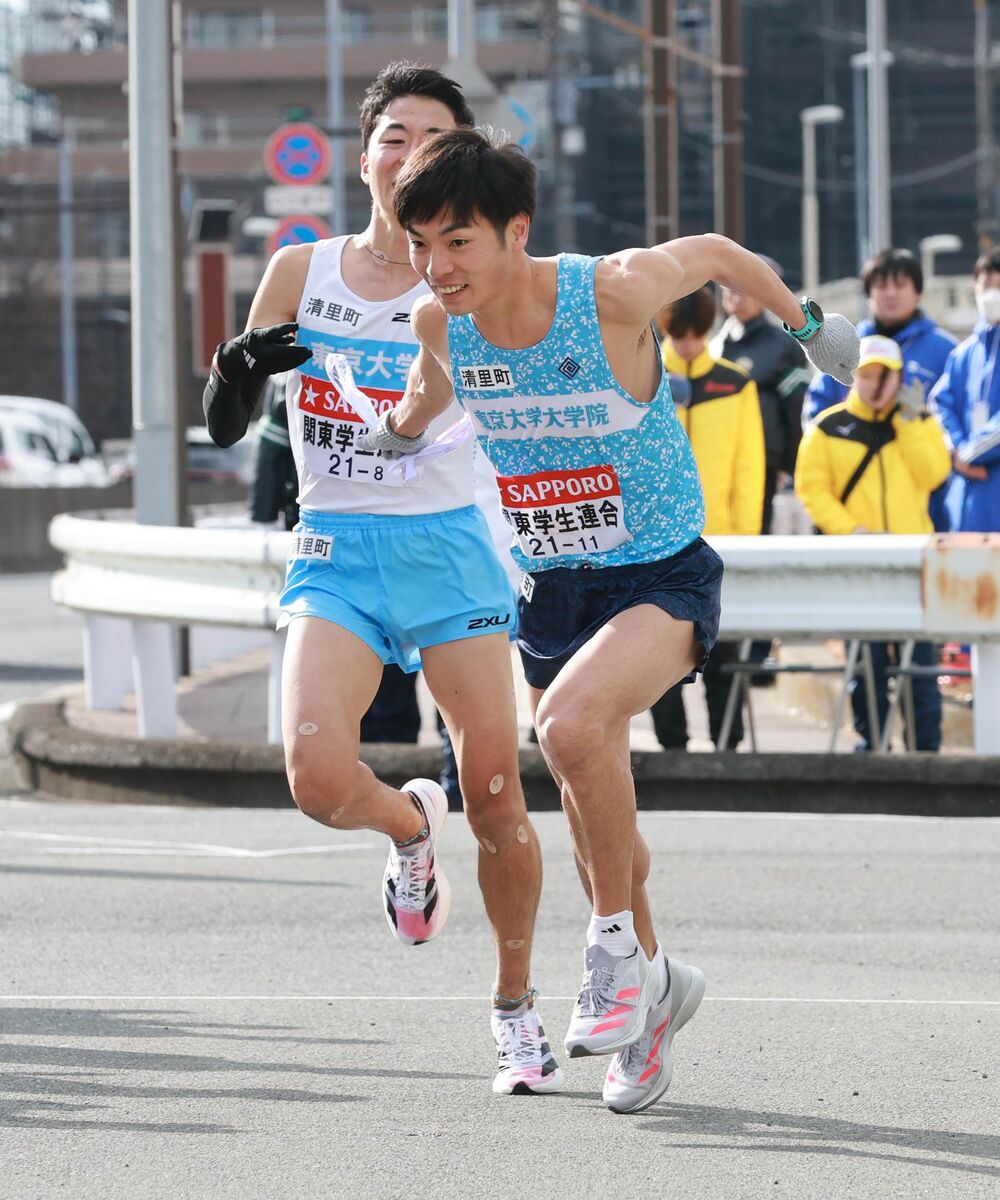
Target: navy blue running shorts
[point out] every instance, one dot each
(561, 608)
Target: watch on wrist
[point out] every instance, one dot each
(814, 319)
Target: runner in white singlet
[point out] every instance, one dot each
(383, 571)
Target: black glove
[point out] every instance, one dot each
(261, 352)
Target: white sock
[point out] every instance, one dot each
(659, 965)
(616, 933)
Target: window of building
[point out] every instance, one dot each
(224, 30)
(357, 24)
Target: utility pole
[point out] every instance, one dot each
(727, 119)
(660, 123)
(986, 216)
(879, 193)
(564, 223)
(724, 66)
(461, 65)
(335, 116)
(155, 416)
(66, 255)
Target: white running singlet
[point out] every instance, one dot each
(376, 339)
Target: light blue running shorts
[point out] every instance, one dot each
(400, 583)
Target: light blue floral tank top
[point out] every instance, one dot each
(587, 475)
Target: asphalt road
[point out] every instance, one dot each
(209, 1004)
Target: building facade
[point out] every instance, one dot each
(249, 66)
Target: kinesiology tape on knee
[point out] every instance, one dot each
(518, 837)
(229, 406)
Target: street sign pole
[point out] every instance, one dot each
(335, 113)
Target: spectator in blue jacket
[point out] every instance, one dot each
(967, 398)
(893, 281)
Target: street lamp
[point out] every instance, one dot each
(819, 114)
(937, 243)
(860, 64)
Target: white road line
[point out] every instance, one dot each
(645, 814)
(81, 844)
(483, 999)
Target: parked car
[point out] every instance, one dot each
(45, 444)
(205, 460)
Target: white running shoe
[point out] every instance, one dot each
(640, 1074)
(415, 892)
(525, 1062)
(614, 1001)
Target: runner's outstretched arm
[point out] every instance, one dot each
(642, 281)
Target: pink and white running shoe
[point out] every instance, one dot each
(415, 892)
(614, 1002)
(525, 1062)
(640, 1074)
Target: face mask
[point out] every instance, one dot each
(988, 303)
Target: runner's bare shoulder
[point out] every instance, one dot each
(429, 322)
(630, 285)
(280, 290)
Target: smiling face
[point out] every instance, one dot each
(466, 264)
(399, 130)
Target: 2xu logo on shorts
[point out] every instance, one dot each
(488, 622)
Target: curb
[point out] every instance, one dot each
(68, 763)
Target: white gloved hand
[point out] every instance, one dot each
(910, 401)
(382, 437)
(834, 349)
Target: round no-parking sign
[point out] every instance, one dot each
(297, 153)
(293, 231)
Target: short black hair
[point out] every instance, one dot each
(694, 313)
(400, 79)
(892, 263)
(466, 172)
(988, 261)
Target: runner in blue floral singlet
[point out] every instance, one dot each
(556, 366)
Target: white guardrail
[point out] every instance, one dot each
(134, 582)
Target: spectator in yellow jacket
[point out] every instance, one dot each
(721, 414)
(718, 406)
(869, 465)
